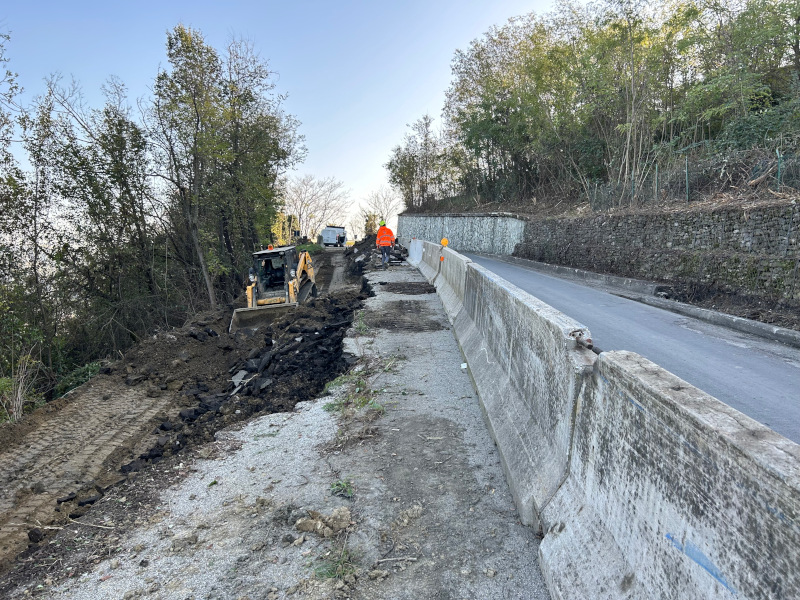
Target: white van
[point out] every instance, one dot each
(332, 235)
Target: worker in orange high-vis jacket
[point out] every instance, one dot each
(384, 241)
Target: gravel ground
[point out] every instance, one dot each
(387, 487)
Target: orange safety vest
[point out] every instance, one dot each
(385, 237)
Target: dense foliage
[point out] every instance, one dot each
(119, 224)
(621, 101)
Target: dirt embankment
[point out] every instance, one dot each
(171, 392)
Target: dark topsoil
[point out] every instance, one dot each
(217, 380)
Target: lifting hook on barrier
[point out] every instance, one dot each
(579, 336)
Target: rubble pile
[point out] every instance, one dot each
(270, 369)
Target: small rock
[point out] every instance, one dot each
(339, 519)
(90, 500)
(184, 542)
(308, 524)
(35, 535)
(175, 385)
(490, 572)
(240, 375)
(115, 564)
(378, 574)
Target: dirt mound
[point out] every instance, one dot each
(269, 370)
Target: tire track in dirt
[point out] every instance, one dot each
(71, 451)
(338, 281)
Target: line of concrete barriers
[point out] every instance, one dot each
(643, 486)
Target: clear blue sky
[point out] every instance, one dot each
(356, 72)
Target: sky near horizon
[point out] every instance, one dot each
(356, 72)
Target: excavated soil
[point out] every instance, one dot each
(168, 395)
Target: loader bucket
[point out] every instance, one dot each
(253, 318)
(309, 289)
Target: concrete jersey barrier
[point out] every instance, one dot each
(444, 268)
(671, 494)
(645, 486)
(527, 371)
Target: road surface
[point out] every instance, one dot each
(755, 376)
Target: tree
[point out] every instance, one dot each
(384, 203)
(315, 202)
(102, 165)
(355, 226)
(8, 93)
(418, 168)
(371, 222)
(284, 229)
(221, 143)
(186, 124)
(263, 144)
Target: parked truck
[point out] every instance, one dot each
(332, 235)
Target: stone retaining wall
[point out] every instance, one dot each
(746, 250)
(752, 251)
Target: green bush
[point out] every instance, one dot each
(312, 249)
(5, 399)
(76, 377)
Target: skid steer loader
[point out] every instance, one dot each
(280, 279)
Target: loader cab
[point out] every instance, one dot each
(280, 278)
(273, 269)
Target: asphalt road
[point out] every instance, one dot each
(755, 376)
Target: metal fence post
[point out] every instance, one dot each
(780, 164)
